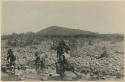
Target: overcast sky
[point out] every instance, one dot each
(102, 17)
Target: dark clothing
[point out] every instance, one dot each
(37, 60)
(62, 60)
(38, 63)
(64, 65)
(61, 50)
(104, 54)
(11, 59)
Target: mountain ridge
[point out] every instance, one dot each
(58, 30)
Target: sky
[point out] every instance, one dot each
(32, 16)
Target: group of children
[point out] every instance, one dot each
(41, 59)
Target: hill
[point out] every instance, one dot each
(63, 31)
(56, 32)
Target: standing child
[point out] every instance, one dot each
(11, 60)
(44, 65)
(37, 62)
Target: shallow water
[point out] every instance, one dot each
(69, 76)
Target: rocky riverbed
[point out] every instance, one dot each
(86, 62)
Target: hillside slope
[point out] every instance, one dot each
(56, 30)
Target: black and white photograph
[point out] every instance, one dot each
(62, 40)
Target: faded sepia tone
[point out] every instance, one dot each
(62, 41)
(91, 16)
